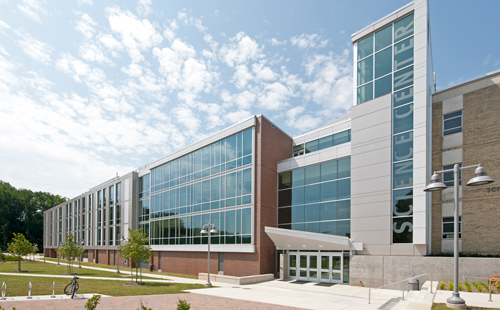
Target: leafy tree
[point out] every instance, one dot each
(19, 247)
(21, 211)
(70, 249)
(136, 249)
(92, 302)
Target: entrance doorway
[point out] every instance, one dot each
(316, 266)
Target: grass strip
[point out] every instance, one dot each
(53, 269)
(18, 286)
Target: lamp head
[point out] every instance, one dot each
(480, 178)
(213, 231)
(435, 184)
(204, 231)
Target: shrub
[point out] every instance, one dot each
(459, 286)
(450, 286)
(467, 286)
(477, 287)
(183, 305)
(442, 285)
(92, 302)
(484, 285)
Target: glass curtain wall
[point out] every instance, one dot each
(316, 198)
(212, 184)
(385, 65)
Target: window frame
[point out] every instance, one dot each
(452, 222)
(452, 130)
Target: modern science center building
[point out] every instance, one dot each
(339, 204)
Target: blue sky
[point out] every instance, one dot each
(93, 88)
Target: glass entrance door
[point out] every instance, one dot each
(316, 267)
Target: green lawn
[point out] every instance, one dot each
(18, 286)
(113, 267)
(48, 268)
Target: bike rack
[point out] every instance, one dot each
(53, 289)
(4, 291)
(29, 292)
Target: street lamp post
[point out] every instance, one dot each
(479, 178)
(80, 262)
(118, 251)
(59, 246)
(210, 229)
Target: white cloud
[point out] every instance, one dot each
(277, 42)
(187, 119)
(82, 2)
(37, 50)
(136, 35)
(309, 41)
(241, 76)
(4, 25)
(86, 25)
(133, 70)
(275, 97)
(92, 52)
(144, 7)
(110, 42)
(32, 9)
(263, 72)
(331, 82)
(241, 49)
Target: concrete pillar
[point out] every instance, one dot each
(283, 266)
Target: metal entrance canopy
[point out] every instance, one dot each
(287, 239)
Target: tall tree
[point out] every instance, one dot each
(21, 211)
(136, 249)
(19, 247)
(70, 249)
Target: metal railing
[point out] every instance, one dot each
(405, 280)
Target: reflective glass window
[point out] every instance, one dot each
(344, 167)
(403, 28)
(403, 54)
(452, 123)
(383, 62)
(383, 38)
(365, 47)
(329, 171)
(298, 177)
(312, 174)
(383, 86)
(326, 142)
(403, 78)
(365, 93)
(312, 193)
(312, 146)
(365, 70)
(403, 119)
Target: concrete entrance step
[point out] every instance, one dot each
(418, 300)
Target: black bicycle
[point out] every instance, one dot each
(72, 287)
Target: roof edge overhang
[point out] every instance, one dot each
(287, 239)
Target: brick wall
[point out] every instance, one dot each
(481, 205)
(272, 145)
(481, 145)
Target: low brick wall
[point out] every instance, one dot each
(237, 280)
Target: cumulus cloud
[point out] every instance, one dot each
(275, 96)
(308, 41)
(136, 35)
(86, 25)
(32, 9)
(37, 50)
(277, 42)
(241, 50)
(331, 81)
